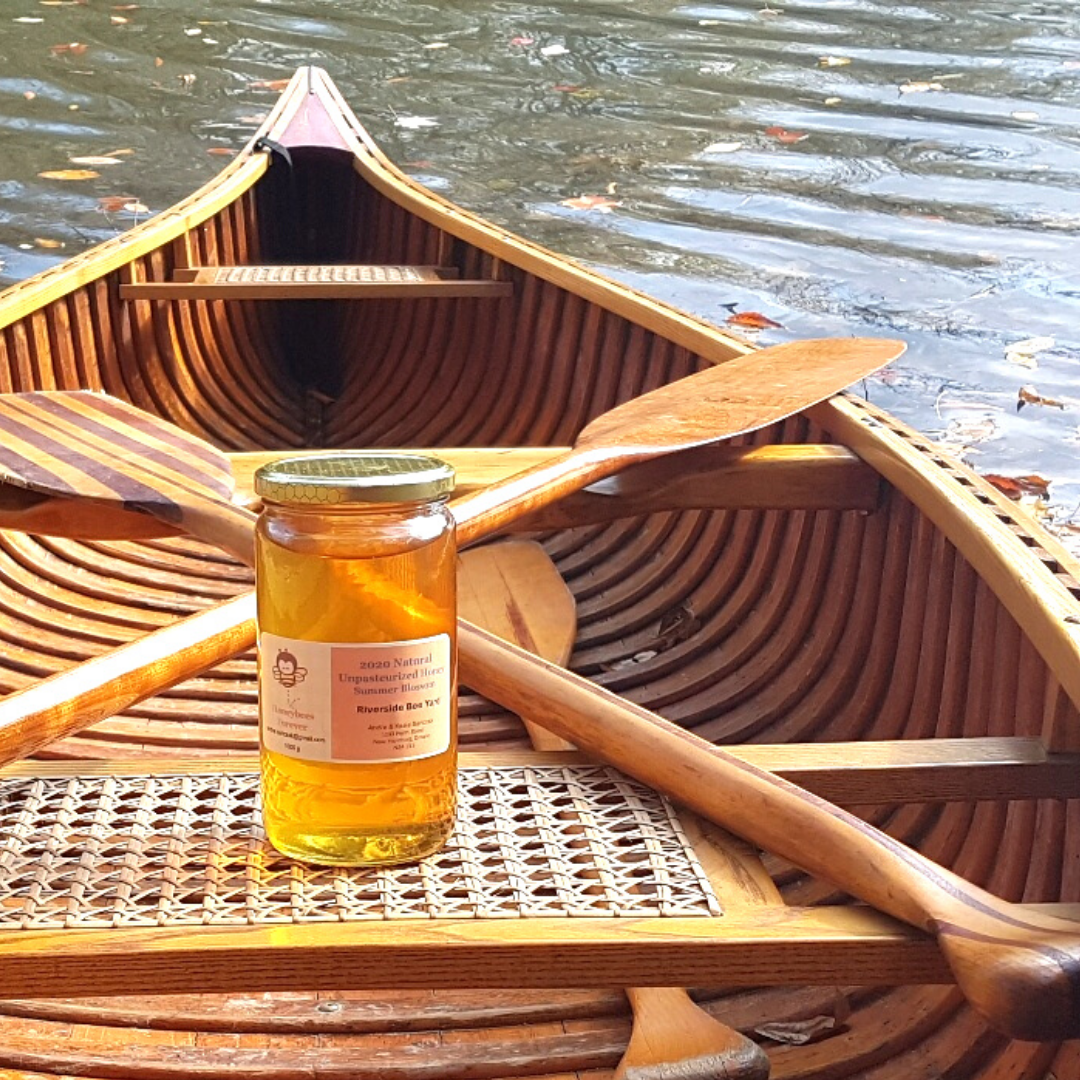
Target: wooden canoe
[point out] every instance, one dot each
(833, 595)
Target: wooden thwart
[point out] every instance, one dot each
(329, 282)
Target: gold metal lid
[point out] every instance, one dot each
(354, 476)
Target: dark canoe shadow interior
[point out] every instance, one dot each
(744, 626)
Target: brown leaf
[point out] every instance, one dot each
(676, 624)
(45, 242)
(591, 202)
(1028, 395)
(785, 136)
(221, 151)
(76, 48)
(113, 204)
(799, 1032)
(158, 61)
(93, 159)
(69, 174)
(752, 320)
(1017, 486)
(29, 95)
(268, 84)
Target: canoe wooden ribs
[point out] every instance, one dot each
(313, 283)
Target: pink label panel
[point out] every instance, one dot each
(340, 701)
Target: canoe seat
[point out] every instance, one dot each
(312, 283)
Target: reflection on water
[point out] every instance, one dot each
(843, 166)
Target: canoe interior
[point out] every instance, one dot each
(746, 626)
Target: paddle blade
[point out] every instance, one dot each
(739, 395)
(80, 444)
(514, 590)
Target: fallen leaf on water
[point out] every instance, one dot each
(1017, 486)
(125, 7)
(920, 87)
(119, 153)
(752, 320)
(158, 61)
(967, 433)
(187, 80)
(118, 20)
(591, 202)
(44, 242)
(521, 42)
(113, 204)
(29, 95)
(268, 84)
(834, 61)
(221, 151)
(1024, 352)
(1030, 396)
(258, 118)
(69, 174)
(93, 159)
(135, 208)
(76, 48)
(722, 148)
(785, 136)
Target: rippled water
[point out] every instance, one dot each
(934, 195)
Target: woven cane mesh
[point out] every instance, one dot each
(179, 850)
(255, 275)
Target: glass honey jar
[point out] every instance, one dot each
(357, 604)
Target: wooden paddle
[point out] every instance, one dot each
(78, 444)
(1019, 967)
(113, 464)
(513, 590)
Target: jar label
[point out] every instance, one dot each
(349, 702)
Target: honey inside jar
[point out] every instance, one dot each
(357, 642)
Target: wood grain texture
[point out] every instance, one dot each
(517, 594)
(1018, 968)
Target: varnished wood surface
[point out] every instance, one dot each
(743, 625)
(515, 592)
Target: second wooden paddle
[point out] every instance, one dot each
(514, 590)
(1018, 966)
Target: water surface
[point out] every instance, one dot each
(841, 166)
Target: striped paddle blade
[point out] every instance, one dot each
(77, 444)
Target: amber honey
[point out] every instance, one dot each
(357, 657)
